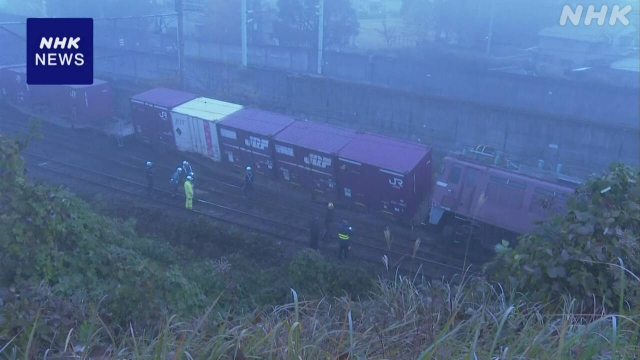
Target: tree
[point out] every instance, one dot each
(419, 16)
(298, 23)
(222, 18)
(389, 31)
(466, 21)
(592, 252)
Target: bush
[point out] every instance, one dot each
(592, 252)
(51, 238)
(312, 274)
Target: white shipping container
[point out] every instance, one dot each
(195, 125)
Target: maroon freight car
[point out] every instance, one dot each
(245, 138)
(306, 155)
(85, 104)
(15, 91)
(385, 174)
(151, 113)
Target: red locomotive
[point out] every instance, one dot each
(480, 193)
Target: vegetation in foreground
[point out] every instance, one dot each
(78, 284)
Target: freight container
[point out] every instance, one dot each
(85, 104)
(195, 125)
(151, 113)
(16, 91)
(385, 174)
(306, 155)
(245, 138)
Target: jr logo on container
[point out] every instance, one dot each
(59, 51)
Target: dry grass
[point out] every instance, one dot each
(402, 319)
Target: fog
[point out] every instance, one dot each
(460, 72)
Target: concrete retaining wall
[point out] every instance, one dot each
(446, 123)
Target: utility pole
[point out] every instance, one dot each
(320, 34)
(243, 24)
(493, 8)
(180, 11)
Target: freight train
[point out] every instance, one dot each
(477, 192)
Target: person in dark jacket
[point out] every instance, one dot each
(314, 233)
(186, 169)
(175, 180)
(328, 216)
(344, 236)
(247, 187)
(149, 177)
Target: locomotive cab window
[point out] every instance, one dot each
(470, 179)
(454, 175)
(443, 167)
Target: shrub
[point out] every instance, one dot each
(312, 274)
(592, 252)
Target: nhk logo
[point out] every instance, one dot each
(617, 14)
(53, 59)
(59, 51)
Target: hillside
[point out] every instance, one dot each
(77, 283)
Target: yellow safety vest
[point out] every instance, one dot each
(343, 236)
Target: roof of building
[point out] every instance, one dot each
(207, 109)
(316, 136)
(257, 121)
(164, 97)
(95, 82)
(384, 152)
(628, 64)
(591, 33)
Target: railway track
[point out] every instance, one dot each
(280, 230)
(297, 212)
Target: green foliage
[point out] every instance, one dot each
(403, 319)
(312, 274)
(57, 256)
(581, 253)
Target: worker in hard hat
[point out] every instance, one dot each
(328, 219)
(247, 187)
(175, 180)
(188, 192)
(329, 215)
(186, 168)
(344, 236)
(149, 170)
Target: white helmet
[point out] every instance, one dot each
(179, 170)
(185, 162)
(189, 178)
(149, 163)
(248, 168)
